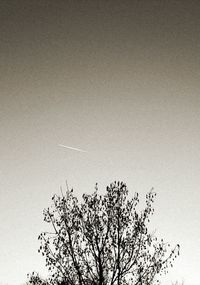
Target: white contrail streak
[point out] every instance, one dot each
(72, 148)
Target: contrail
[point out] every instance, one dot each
(72, 148)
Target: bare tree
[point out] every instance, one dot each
(104, 240)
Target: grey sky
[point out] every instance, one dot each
(118, 78)
(71, 148)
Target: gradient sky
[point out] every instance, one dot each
(119, 79)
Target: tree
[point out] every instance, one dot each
(178, 283)
(104, 240)
(35, 279)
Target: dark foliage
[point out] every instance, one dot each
(103, 241)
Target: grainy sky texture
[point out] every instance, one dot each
(118, 79)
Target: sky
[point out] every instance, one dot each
(118, 79)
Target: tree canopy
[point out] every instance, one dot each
(104, 240)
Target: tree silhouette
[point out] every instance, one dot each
(104, 240)
(35, 279)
